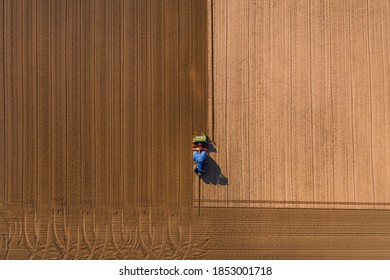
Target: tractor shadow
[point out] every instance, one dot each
(211, 148)
(213, 174)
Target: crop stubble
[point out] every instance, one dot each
(301, 104)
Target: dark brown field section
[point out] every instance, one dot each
(98, 102)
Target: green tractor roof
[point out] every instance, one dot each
(201, 138)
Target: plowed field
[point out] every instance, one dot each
(99, 99)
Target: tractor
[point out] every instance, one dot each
(199, 148)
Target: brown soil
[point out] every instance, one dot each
(301, 105)
(99, 99)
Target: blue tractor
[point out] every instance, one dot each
(199, 150)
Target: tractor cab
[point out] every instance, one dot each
(199, 142)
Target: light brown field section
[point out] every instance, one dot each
(301, 104)
(253, 233)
